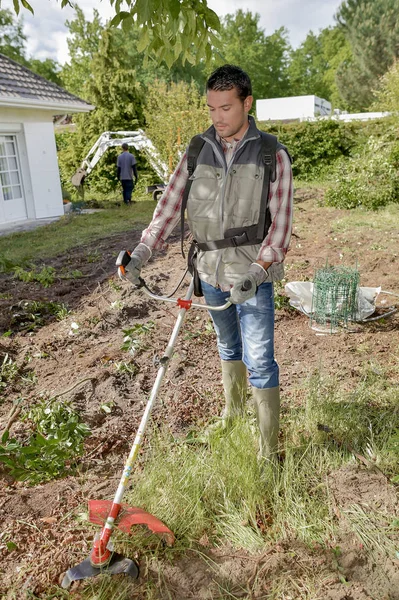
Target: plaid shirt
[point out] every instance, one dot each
(275, 245)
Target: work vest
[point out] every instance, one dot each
(226, 197)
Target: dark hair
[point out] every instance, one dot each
(125, 146)
(229, 77)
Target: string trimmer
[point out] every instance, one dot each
(102, 558)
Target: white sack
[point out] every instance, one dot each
(300, 294)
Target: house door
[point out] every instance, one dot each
(12, 201)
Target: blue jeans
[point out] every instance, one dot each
(246, 332)
(127, 189)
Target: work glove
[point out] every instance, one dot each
(138, 259)
(247, 285)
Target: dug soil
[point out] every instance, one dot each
(80, 359)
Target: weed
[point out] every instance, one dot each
(126, 367)
(280, 300)
(8, 372)
(114, 286)
(131, 341)
(53, 444)
(45, 277)
(93, 256)
(32, 314)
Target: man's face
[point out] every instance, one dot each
(229, 113)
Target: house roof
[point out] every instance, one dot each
(21, 87)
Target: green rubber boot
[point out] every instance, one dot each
(267, 408)
(234, 377)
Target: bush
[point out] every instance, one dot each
(370, 179)
(317, 146)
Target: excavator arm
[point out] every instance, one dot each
(138, 140)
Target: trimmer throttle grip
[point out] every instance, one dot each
(123, 258)
(246, 286)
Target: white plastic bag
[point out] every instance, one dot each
(300, 294)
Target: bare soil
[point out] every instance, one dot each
(43, 521)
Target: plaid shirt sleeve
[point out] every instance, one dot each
(167, 213)
(275, 245)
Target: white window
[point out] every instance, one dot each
(10, 177)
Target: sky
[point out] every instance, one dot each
(47, 34)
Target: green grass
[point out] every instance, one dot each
(219, 490)
(48, 241)
(385, 219)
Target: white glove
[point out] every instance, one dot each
(246, 287)
(138, 259)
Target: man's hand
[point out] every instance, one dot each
(138, 259)
(246, 287)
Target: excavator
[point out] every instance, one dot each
(139, 141)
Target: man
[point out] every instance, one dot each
(127, 169)
(225, 198)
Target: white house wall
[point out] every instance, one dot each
(293, 107)
(38, 158)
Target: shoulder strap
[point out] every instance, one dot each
(269, 151)
(193, 151)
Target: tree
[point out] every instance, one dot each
(263, 57)
(313, 66)
(372, 29)
(174, 114)
(169, 30)
(47, 68)
(83, 41)
(387, 96)
(12, 38)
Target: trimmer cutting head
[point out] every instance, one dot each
(117, 564)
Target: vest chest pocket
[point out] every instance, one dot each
(245, 190)
(204, 193)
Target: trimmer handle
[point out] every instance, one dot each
(246, 286)
(122, 261)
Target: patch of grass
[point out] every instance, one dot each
(386, 219)
(20, 249)
(219, 491)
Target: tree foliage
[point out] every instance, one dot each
(174, 114)
(12, 38)
(313, 65)
(263, 57)
(83, 43)
(13, 44)
(387, 96)
(169, 30)
(372, 29)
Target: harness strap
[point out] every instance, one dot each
(253, 234)
(193, 151)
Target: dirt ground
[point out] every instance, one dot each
(81, 364)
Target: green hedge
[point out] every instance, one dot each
(316, 146)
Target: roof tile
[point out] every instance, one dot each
(17, 81)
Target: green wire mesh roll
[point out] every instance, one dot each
(334, 302)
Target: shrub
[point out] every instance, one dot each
(317, 146)
(370, 179)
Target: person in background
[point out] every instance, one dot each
(127, 170)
